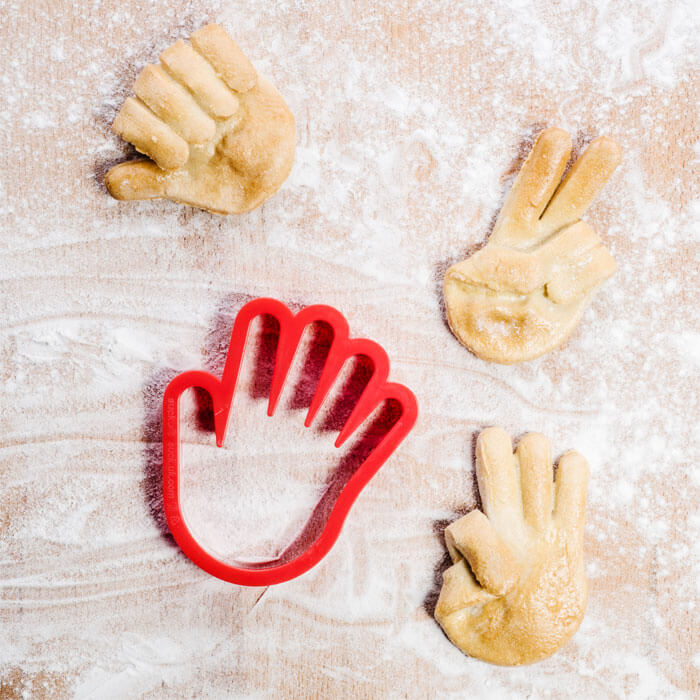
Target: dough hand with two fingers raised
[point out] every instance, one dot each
(523, 293)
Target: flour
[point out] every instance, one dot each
(412, 123)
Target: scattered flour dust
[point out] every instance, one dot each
(413, 120)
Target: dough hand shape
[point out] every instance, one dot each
(517, 590)
(523, 293)
(220, 136)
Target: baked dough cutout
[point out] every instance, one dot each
(523, 293)
(220, 137)
(517, 589)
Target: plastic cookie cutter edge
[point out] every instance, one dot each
(221, 391)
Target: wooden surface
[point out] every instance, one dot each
(412, 119)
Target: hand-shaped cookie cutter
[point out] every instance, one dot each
(221, 392)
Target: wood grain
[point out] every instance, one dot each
(412, 118)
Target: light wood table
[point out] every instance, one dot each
(412, 119)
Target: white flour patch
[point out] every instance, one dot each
(412, 122)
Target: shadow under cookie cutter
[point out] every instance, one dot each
(221, 391)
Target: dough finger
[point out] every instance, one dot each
(495, 473)
(568, 244)
(459, 590)
(175, 106)
(570, 487)
(136, 124)
(573, 281)
(534, 455)
(536, 182)
(193, 71)
(225, 56)
(500, 269)
(137, 179)
(474, 538)
(582, 183)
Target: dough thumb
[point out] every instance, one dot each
(136, 179)
(474, 538)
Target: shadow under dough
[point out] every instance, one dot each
(431, 597)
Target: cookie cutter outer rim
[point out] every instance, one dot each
(221, 392)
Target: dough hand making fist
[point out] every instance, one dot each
(523, 293)
(220, 137)
(517, 590)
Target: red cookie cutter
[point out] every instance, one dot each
(221, 392)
